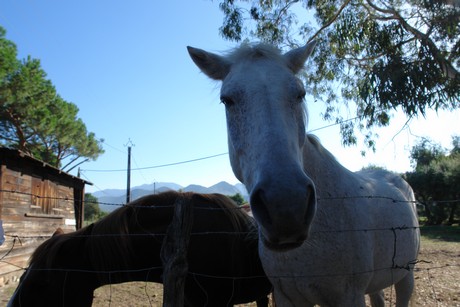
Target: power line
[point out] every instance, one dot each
(104, 143)
(158, 166)
(335, 124)
(203, 158)
(212, 156)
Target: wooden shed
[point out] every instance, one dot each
(35, 199)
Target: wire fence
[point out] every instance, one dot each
(338, 198)
(419, 265)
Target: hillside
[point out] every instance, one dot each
(110, 199)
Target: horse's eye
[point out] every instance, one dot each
(300, 90)
(227, 101)
(301, 96)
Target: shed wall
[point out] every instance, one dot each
(33, 204)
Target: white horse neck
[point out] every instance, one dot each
(329, 176)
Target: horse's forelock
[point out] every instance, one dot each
(254, 51)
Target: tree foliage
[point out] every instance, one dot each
(34, 118)
(92, 210)
(238, 199)
(435, 180)
(383, 55)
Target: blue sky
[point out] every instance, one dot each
(125, 65)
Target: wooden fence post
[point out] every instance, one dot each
(174, 253)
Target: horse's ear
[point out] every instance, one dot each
(296, 58)
(213, 65)
(58, 232)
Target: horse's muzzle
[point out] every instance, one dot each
(284, 214)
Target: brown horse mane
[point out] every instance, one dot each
(120, 221)
(101, 245)
(46, 253)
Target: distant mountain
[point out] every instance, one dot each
(159, 185)
(112, 199)
(195, 188)
(224, 188)
(111, 192)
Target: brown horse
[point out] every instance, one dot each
(223, 260)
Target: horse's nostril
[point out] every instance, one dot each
(259, 208)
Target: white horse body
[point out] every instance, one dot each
(327, 236)
(351, 249)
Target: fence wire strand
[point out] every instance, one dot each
(411, 265)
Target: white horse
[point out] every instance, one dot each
(327, 235)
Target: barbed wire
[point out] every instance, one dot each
(406, 266)
(235, 278)
(205, 233)
(411, 265)
(394, 200)
(16, 239)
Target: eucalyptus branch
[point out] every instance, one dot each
(427, 22)
(388, 10)
(371, 58)
(405, 125)
(382, 18)
(371, 13)
(366, 59)
(447, 67)
(331, 21)
(377, 15)
(283, 10)
(453, 51)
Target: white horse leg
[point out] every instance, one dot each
(282, 300)
(357, 301)
(377, 299)
(404, 289)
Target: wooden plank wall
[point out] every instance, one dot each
(32, 209)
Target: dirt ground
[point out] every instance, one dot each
(437, 277)
(437, 282)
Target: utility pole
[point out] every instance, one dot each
(128, 185)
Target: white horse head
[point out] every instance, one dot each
(266, 120)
